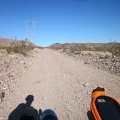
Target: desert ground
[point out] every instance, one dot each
(57, 81)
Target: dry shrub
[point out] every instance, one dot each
(114, 48)
(100, 54)
(21, 47)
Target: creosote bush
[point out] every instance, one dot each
(21, 47)
(112, 47)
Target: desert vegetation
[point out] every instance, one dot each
(21, 47)
(105, 56)
(112, 47)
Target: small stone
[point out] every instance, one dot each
(88, 92)
(22, 62)
(63, 75)
(86, 62)
(85, 84)
(2, 95)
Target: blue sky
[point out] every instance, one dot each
(60, 21)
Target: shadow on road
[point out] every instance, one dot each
(25, 111)
(90, 115)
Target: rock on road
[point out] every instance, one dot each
(60, 83)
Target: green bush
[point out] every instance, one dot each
(21, 47)
(114, 48)
(79, 48)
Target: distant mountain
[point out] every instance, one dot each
(86, 46)
(5, 42)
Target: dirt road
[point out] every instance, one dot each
(61, 83)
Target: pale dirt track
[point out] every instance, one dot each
(61, 83)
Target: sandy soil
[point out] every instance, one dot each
(60, 83)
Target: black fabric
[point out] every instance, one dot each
(108, 108)
(27, 118)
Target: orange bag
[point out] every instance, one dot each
(104, 107)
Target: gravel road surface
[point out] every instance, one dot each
(60, 83)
